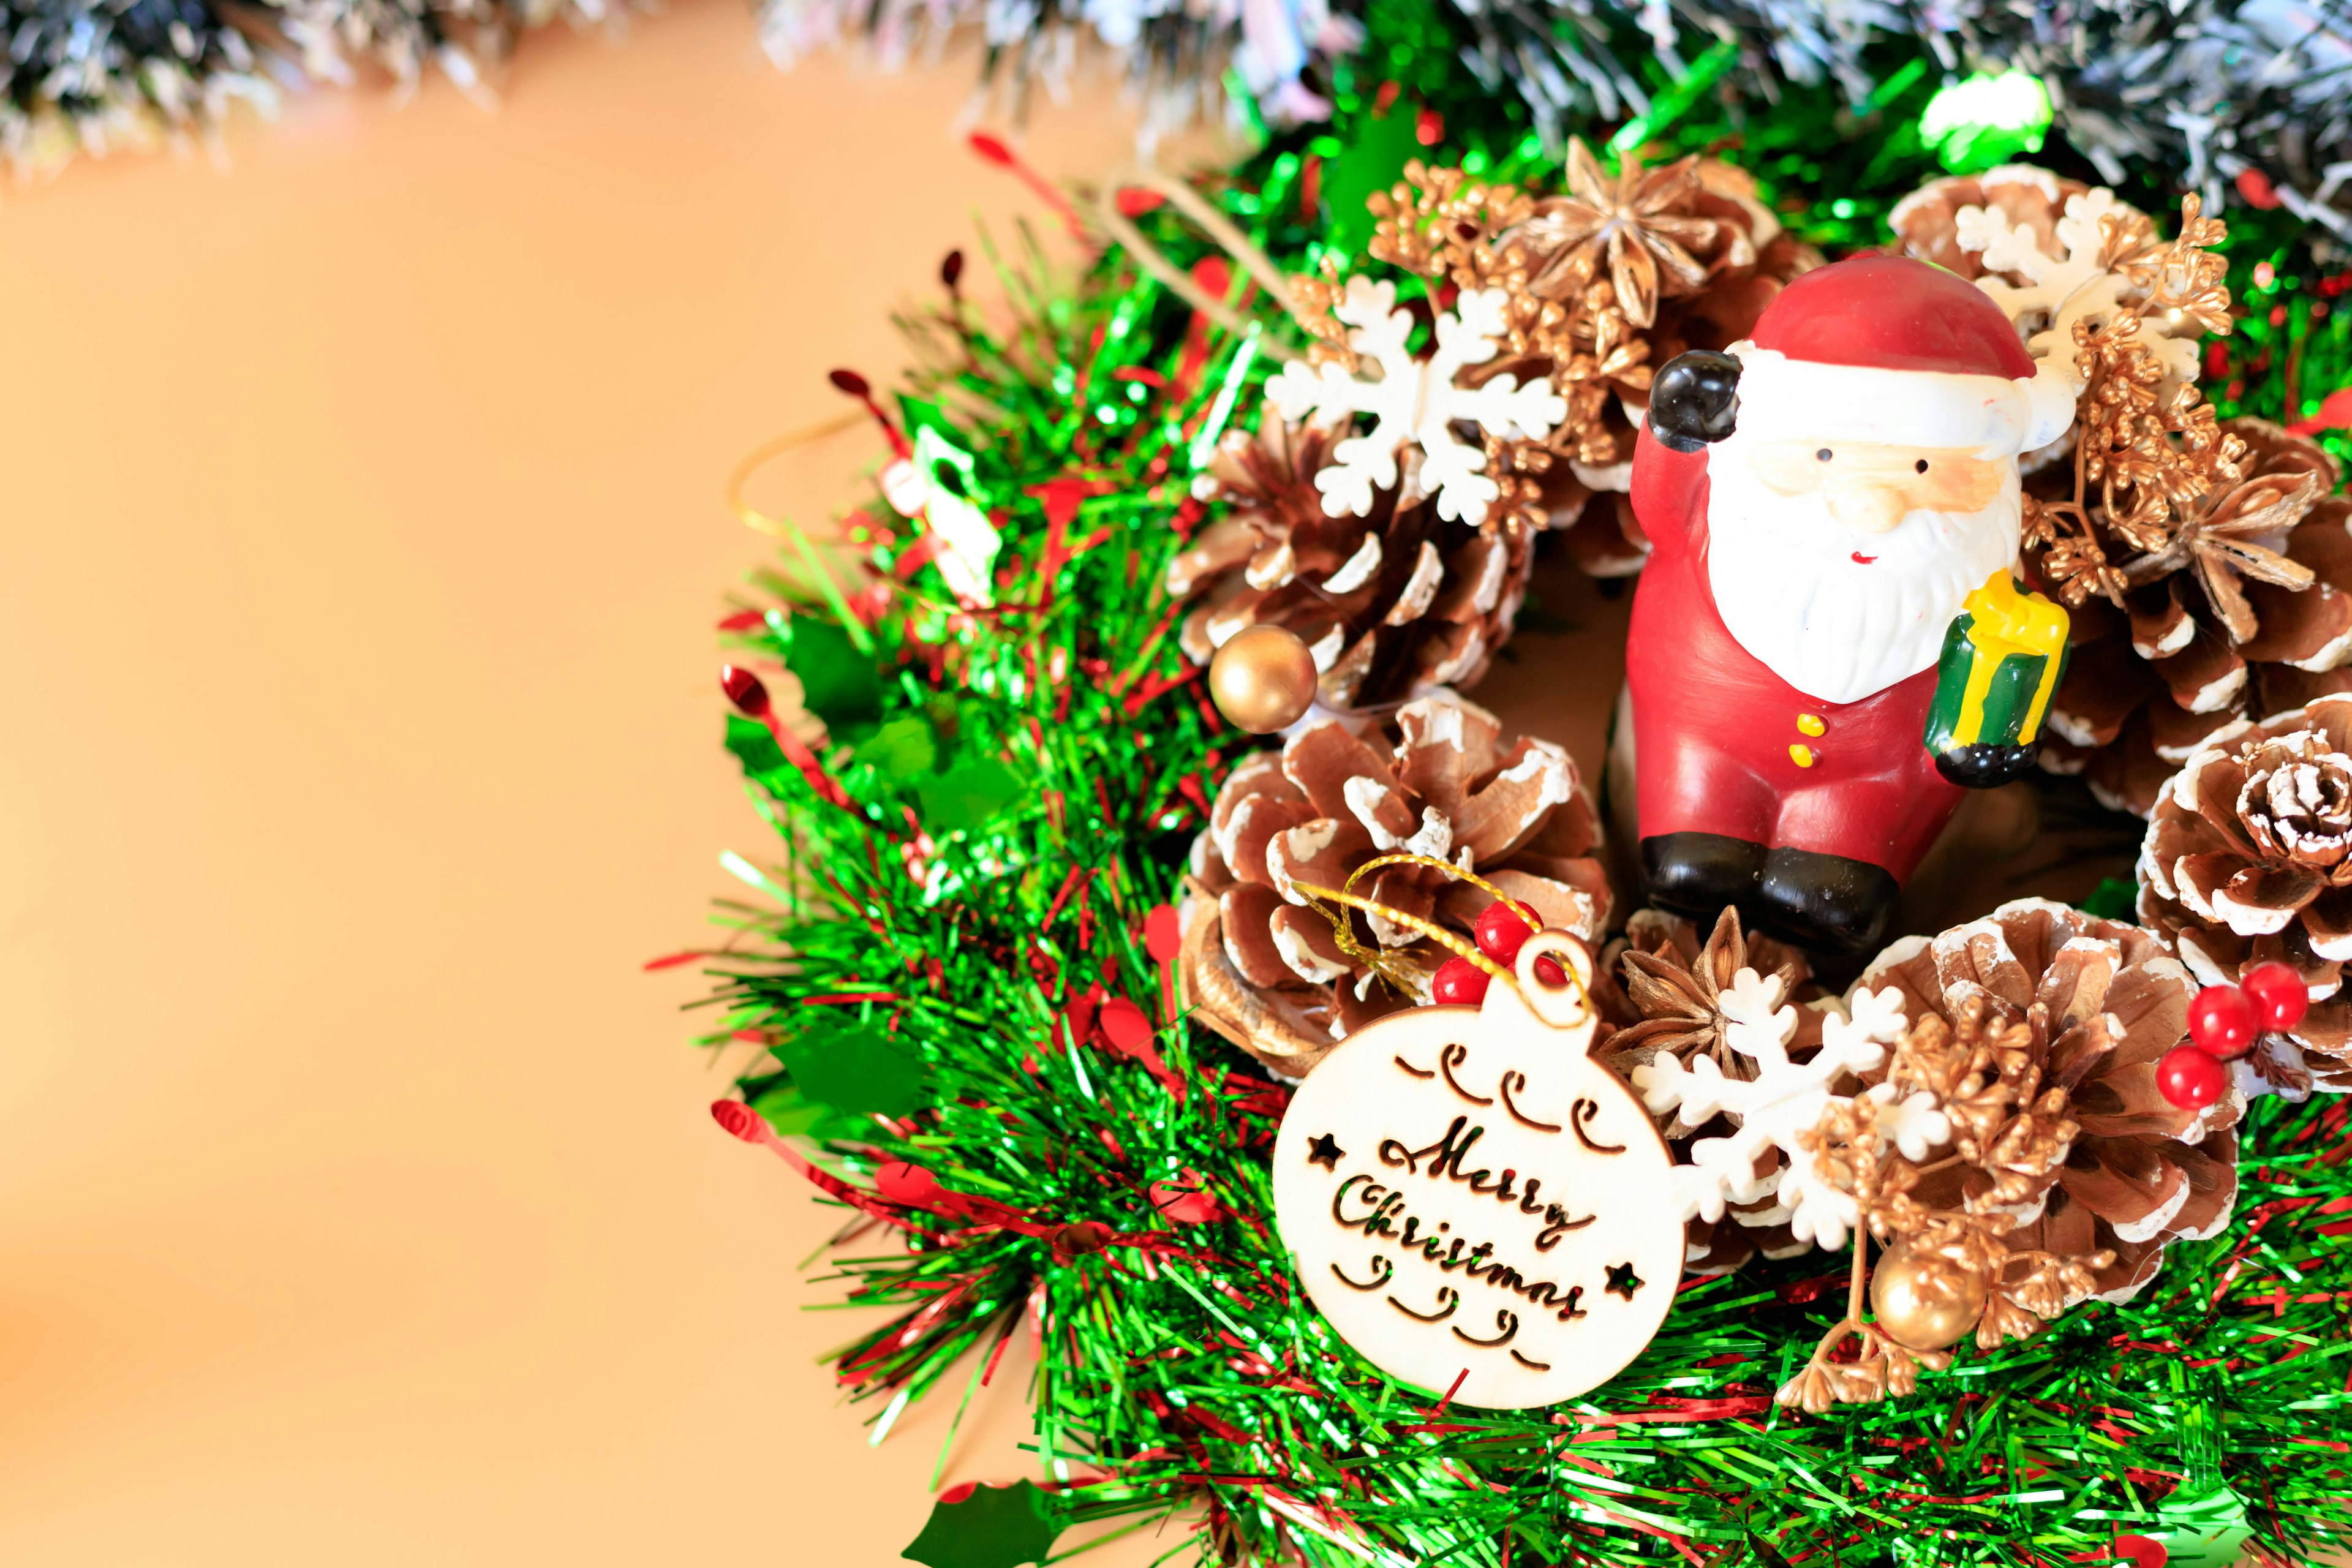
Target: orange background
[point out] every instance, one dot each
(361, 538)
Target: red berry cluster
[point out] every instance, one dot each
(1502, 929)
(2224, 1022)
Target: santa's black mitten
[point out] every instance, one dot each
(1985, 766)
(1695, 399)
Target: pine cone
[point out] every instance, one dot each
(1267, 971)
(1673, 987)
(1392, 604)
(2103, 1002)
(2237, 603)
(2248, 859)
(2247, 611)
(1927, 220)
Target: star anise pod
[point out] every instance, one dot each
(1677, 985)
(2221, 541)
(1631, 220)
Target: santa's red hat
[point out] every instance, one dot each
(1884, 348)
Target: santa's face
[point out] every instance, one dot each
(1841, 566)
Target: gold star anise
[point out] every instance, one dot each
(2218, 540)
(1632, 220)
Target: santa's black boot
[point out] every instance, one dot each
(1825, 902)
(1697, 874)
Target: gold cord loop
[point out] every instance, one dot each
(1378, 962)
(1180, 196)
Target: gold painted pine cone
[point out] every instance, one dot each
(2248, 859)
(1267, 972)
(1673, 983)
(2104, 1002)
(1390, 605)
(2248, 611)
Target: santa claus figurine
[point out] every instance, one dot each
(1827, 646)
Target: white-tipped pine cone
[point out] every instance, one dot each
(1392, 603)
(2248, 859)
(1928, 219)
(1747, 259)
(1268, 972)
(2104, 1002)
(2248, 613)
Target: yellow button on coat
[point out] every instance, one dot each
(1811, 723)
(1802, 755)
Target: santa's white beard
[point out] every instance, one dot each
(1790, 588)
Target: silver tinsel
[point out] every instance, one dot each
(86, 75)
(2196, 91)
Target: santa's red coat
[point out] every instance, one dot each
(1716, 735)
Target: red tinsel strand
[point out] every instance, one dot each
(994, 151)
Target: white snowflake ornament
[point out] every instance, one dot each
(1415, 403)
(1763, 1157)
(2061, 290)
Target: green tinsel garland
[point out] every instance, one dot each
(959, 965)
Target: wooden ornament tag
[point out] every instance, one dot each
(1466, 1195)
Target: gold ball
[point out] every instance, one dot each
(1924, 1303)
(1262, 680)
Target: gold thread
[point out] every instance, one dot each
(1189, 202)
(1407, 858)
(1218, 226)
(1374, 957)
(1376, 960)
(790, 532)
(751, 516)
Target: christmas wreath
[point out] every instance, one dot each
(1047, 943)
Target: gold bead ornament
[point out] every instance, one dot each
(1262, 680)
(1924, 1303)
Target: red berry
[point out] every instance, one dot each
(2278, 993)
(2189, 1077)
(2223, 1021)
(1550, 972)
(743, 689)
(1504, 928)
(1458, 983)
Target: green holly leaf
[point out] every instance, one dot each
(966, 795)
(757, 752)
(838, 684)
(987, 1527)
(1376, 162)
(788, 1111)
(901, 749)
(856, 1070)
(921, 414)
